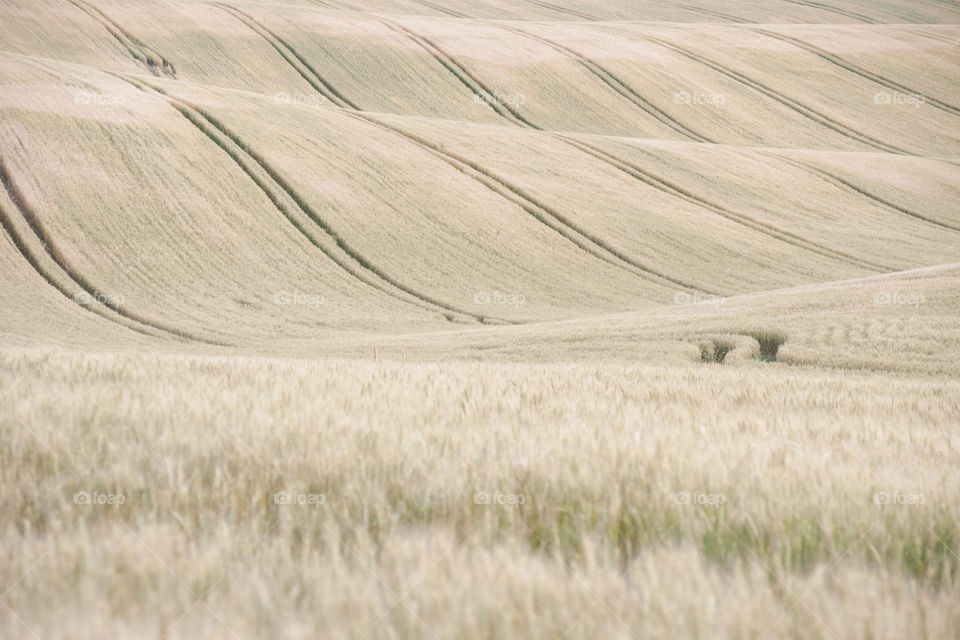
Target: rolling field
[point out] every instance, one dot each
(499, 319)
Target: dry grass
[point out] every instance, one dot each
(602, 458)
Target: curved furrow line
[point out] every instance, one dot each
(556, 221)
(131, 48)
(21, 245)
(296, 210)
(436, 7)
(707, 12)
(836, 10)
(843, 183)
(953, 42)
(148, 57)
(952, 4)
(860, 71)
(677, 191)
(47, 242)
(338, 6)
(466, 78)
(330, 5)
(564, 10)
(786, 101)
(615, 83)
(288, 53)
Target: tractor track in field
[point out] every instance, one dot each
(955, 6)
(707, 12)
(155, 63)
(554, 220)
(467, 79)
(300, 214)
(563, 10)
(21, 246)
(292, 57)
(953, 42)
(128, 319)
(836, 10)
(619, 86)
(843, 183)
(543, 213)
(752, 223)
(786, 101)
(477, 87)
(860, 71)
(329, 5)
(436, 7)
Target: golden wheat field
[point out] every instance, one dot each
(389, 319)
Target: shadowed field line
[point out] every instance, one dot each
(556, 221)
(707, 12)
(331, 4)
(836, 10)
(129, 320)
(294, 59)
(860, 71)
(6, 221)
(558, 9)
(786, 101)
(441, 9)
(548, 216)
(461, 73)
(147, 56)
(615, 83)
(953, 42)
(476, 86)
(846, 184)
(303, 217)
(672, 189)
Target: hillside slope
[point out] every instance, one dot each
(242, 174)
